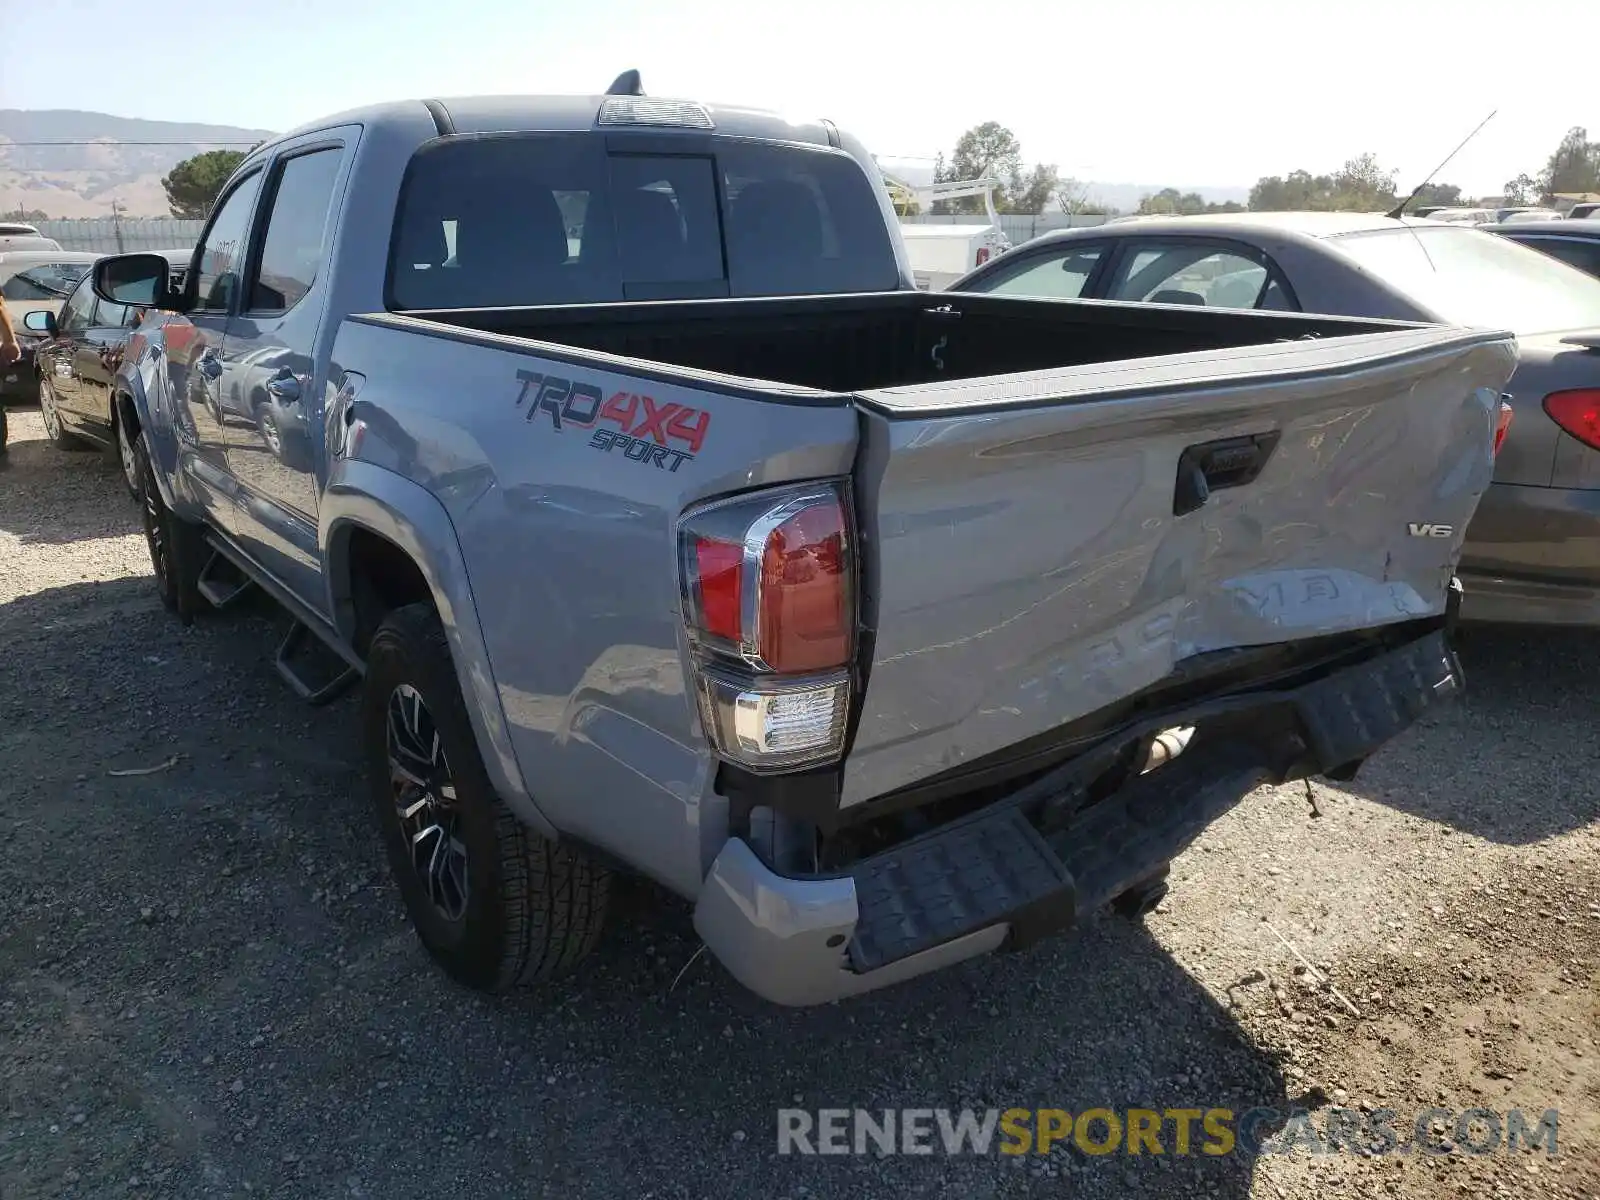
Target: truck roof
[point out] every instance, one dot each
(503, 114)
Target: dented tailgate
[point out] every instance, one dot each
(1041, 546)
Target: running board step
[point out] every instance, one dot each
(221, 582)
(293, 643)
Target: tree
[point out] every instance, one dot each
(193, 185)
(1172, 202)
(1445, 194)
(1574, 167)
(1072, 198)
(987, 150)
(1361, 185)
(25, 214)
(1524, 189)
(1032, 193)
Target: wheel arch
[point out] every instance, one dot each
(387, 541)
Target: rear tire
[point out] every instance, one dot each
(178, 548)
(497, 906)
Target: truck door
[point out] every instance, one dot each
(275, 381)
(195, 375)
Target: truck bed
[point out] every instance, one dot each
(885, 340)
(1061, 505)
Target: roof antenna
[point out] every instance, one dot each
(626, 84)
(1399, 210)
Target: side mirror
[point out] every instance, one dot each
(40, 320)
(142, 279)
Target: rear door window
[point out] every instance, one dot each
(1584, 255)
(1195, 273)
(552, 219)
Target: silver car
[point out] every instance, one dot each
(1532, 554)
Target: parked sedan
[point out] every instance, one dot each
(1533, 552)
(31, 280)
(76, 361)
(1574, 242)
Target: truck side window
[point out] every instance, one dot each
(292, 250)
(222, 252)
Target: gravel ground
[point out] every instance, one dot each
(208, 988)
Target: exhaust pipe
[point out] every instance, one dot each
(1166, 746)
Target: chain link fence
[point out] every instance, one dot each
(1018, 228)
(114, 235)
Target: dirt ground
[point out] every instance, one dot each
(208, 988)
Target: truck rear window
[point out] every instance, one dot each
(508, 220)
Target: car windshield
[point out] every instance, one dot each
(48, 281)
(1469, 277)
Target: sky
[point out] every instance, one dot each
(1206, 92)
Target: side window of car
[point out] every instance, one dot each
(111, 316)
(1061, 275)
(1179, 273)
(78, 312)
(1583, 255)
(291, 253)
(221, 255)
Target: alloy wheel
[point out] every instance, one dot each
(425, 802)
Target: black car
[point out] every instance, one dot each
(76, 362)
(1576, 243)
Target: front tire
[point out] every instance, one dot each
(178, 548)
(497, 906)
(50, 414)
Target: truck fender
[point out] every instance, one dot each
(139, 382)
(361, 495)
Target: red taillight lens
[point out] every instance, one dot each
(1577, 412)
(806, 614)
(983, 255)
(1502, 426)
(720, 568)
(771, 580)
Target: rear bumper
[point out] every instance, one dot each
(1016, 871)
(1532, 557)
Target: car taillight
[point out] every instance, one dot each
(983, 255)
(1577, 412)
(1502, 426)
(769, 602)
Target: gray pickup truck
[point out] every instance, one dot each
(666, 527)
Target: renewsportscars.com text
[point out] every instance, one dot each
(1174, 1131)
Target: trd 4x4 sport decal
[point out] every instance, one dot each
(646, 432)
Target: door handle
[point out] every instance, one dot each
(210, 366)
(284, 386)
(1212, 466)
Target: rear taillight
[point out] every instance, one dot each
(769, 601)
(1502, 426)
(1577, 412)
(983, 255)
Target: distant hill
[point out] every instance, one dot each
(82, 180)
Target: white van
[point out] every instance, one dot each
(942, 254)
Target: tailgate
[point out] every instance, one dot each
(1041, 546)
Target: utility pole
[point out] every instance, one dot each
(116, 223)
